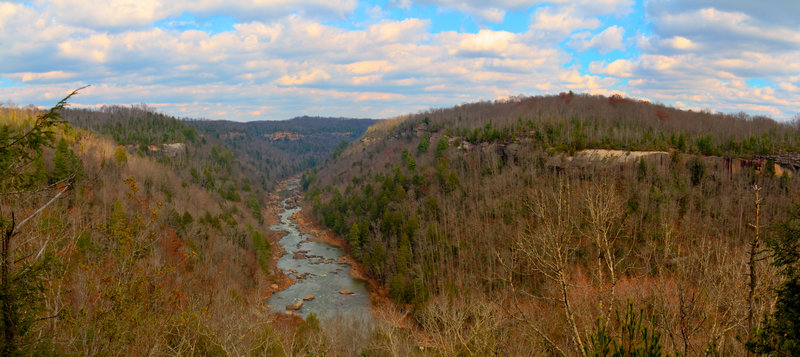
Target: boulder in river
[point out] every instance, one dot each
(301, 276)
(308, 297)
(299, 255)
(346, 292)
(291, 313)
(295, 306)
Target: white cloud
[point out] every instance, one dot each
(701, 54)
(125, 14)
(561, 22)
(409, 30)
(305, 77)
(368, 67)
(681, 43)
(486, 42)
(606, 41)
(26, 77)
(491, 11)
(619, 68)
(280, 60)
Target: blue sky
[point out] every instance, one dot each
(276, 59)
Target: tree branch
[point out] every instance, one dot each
(24, 221)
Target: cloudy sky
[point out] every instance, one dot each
(276, 59)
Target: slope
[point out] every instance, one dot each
(500, 231)
(129, 249)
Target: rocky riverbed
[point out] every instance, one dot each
(323, 283)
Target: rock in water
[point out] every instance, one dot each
(346, 292)
(295, 306)
(308, 298)
(292, 313)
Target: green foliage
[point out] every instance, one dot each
(66, 164)
(263, 249)
(354, 240)
(705, 145)
(84, 242)
(223, 157)
(22, 297)
(187, 219)
(22, 144)
(307, 178)
(22, 277)
(339, 149)
(310, 338)
(120, 156)
(424, 143)
(630, 338)
(779, 333)
(697, 167)
(408, 160)
(255, 207)
(133, 125)
(118, 220)
(441, 147)
(267, 343)
(769, 168)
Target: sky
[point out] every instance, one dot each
(277, 59)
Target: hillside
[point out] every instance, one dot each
(561, 225)
(215, 151)
(128, 232)
(505, 228)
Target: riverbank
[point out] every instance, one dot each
(314, 272)
(278, 279)
(378, 294)
(307, 225)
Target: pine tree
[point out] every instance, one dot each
(21, 280)
(779, 333)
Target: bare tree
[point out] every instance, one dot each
(20, 280)
(549, 244)
(752, 260)
(603, 211)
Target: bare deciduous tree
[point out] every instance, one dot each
(603, 210)
(549, 244)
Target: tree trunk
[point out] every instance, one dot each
(754, 244)
(5, 292)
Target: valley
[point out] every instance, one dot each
(535, 226)
(323, 283)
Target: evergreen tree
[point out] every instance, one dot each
(424, 143)
(441, 147)
(354, 239)
(21, 279)
(66, 164)
(779, 333)
(120, 156)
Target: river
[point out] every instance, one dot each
(317, 272)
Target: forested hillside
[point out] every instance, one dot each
(129, 232)
(503, 228)
(216, 152)
(560, 225)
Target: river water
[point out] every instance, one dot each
(317, 272)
